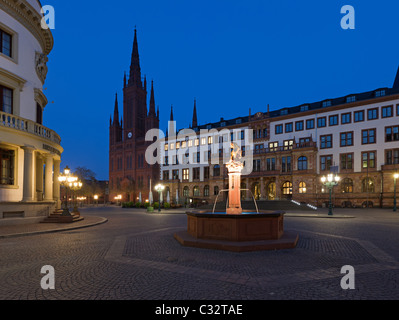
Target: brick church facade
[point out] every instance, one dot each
(129, 173)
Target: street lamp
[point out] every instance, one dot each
(330, 181)
(74, 186)
(395, 176)
(66, 179)
(118, 198)
(159, 187)
(96, 198)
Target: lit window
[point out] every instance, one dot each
(186, 174)
(7, 162)
(302, 187)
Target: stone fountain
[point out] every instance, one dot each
(236, 229)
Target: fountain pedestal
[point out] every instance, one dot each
(234, 168)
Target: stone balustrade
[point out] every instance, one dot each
(28, 126)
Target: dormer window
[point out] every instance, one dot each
(283, 112)
(238, 121)
(305, 107)
(380, 93)
(326, 103)
(351, 99)
(223, 124)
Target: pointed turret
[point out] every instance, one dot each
(195, 123)
(152, 101)
(171, 113)
(135, 71)
(171, 129)
(116, 111)
(396, 83)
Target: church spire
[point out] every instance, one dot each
(195, 123)
(152, 101)
(116, 111)
(135, 72)
(171, 113)
(171, 127)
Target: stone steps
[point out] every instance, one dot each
(57, 217)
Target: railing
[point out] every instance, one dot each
(29, 126)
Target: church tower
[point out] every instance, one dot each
(129, 173)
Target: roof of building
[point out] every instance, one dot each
(355, 97)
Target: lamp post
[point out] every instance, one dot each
(74, 186)
(330, 181)
(159, 187)
(66, 179)
(395, 176)
(96, 198)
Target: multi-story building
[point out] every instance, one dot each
(355, 136)
(30, 153)
(129, 172)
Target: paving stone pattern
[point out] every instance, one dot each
(135, 257)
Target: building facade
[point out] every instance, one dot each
(30, 152)
(129, 173)
(355, 137)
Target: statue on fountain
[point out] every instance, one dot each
(234, 167)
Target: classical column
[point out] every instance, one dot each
(28, 194)
(278, 189)
(247, 193)
(48, 178)
(262, 189)
(39, 177)
(56, 184)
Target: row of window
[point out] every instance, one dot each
(346, 186)
(368, 136)
(240, 135)
(368, 160)
(333, 120)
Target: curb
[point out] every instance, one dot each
(318, 216)
(15, 235)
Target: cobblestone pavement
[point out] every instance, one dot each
(133, 256)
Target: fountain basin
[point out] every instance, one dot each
(249, 231)
(248, 226)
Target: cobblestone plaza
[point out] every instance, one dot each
(129, 254)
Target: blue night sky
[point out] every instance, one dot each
(229, 55)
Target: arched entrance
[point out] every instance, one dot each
(256, 190)
(287, 189)
(271, 191)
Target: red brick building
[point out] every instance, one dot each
(129, 173)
